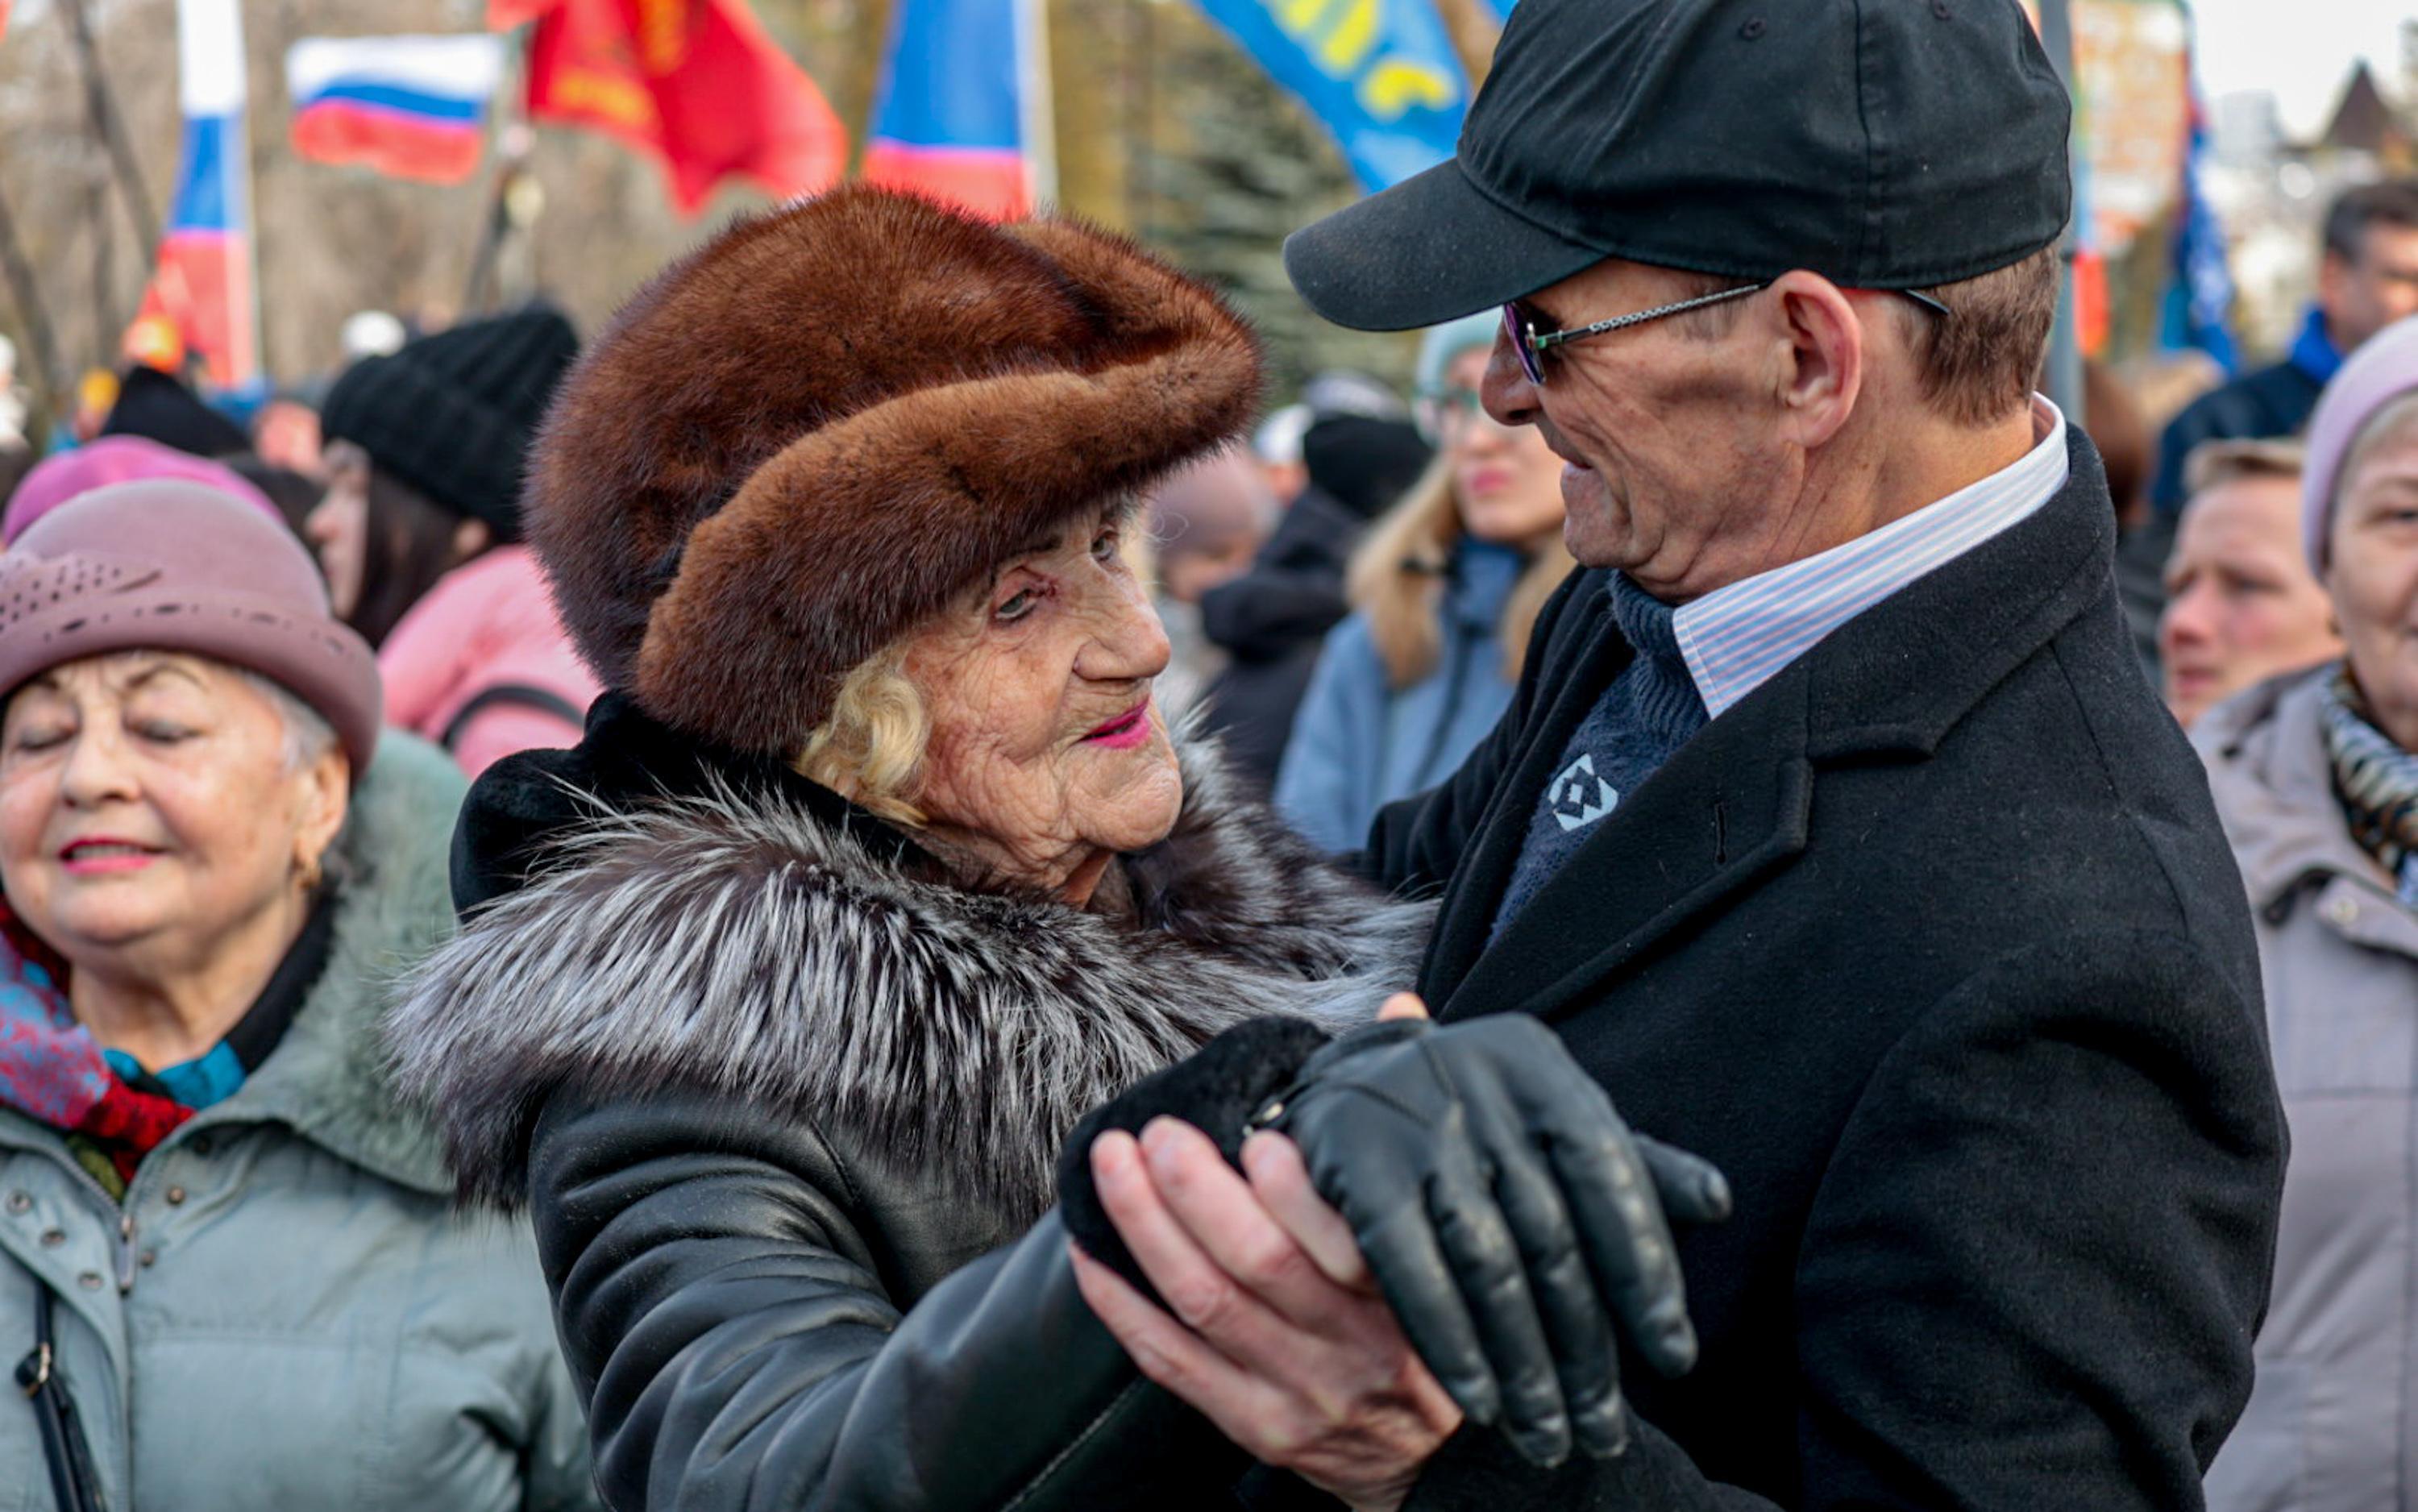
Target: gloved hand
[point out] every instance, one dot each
(1509, 1217)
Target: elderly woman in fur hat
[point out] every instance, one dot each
(877, 869)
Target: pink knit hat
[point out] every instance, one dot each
(171, 565)
(2380, 372)
(116, 459)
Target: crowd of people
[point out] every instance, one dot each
(1720, 907)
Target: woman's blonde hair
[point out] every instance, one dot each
(1397, 579)
(871, 747)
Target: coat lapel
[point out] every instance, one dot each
(1732, 806)
(1467, 915)
(1736, 803)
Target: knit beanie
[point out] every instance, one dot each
(803, 440)
(1441, 344)
(171, 565)
(152, 405)
(2380, 372)
(451, 414)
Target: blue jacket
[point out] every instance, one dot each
(1358, 743)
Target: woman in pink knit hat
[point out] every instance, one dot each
(2316, 774)
(229, 1249)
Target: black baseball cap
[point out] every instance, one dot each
(1883, 144)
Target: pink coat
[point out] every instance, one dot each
(487, 625)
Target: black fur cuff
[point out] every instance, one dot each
(1217, 1089)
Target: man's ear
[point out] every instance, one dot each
(1824, 374)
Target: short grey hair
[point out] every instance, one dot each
(307, 734)
(2224, 461)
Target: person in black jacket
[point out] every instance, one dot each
(1832, 830)
(876, 870)
(1272, 619)
(2367, 278)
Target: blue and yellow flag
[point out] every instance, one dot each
(1381, 74)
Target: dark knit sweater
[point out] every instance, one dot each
(1651, 709)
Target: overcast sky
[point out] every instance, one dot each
(2299, 49)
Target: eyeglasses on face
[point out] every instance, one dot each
(1531, 345)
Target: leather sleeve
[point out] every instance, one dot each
(722, 1319)
(2032, 1274)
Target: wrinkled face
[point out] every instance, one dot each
(2364, 294)
(1670, 473)
(1048, 755)
(2242, 605)
(2372, 573)
(1505, 479)
(148, 809)
(339, 527)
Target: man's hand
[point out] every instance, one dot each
(1282, 1342)
(1509, 1217)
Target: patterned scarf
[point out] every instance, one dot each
(2375, 781)
(53, 1072)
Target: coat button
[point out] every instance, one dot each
(20, 1201)
(90, 1280)
(175, 1197)
(54, 1238)
(150, 1258)
(2342, 912)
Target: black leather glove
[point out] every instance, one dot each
(1508, 1215)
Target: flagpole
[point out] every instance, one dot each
(1038, 114)
(258, 366)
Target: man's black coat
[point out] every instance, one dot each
(1934, 944)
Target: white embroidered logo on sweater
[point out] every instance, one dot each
(1581, 797)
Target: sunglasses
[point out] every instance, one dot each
(1531, 345)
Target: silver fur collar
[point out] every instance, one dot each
(742, 947)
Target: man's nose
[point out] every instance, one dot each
(1505, 392)
(2187, 619)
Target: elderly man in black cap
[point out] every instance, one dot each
(1833, 832)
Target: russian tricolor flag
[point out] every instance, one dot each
(414, 107)
(951, 123)
(204, 282)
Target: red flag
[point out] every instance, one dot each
(694, 82)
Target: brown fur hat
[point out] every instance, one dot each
(819, 428)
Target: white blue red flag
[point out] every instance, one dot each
(951, 121)
(204, 283)
(413, 107)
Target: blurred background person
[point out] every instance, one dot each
(1270, 620)
(1443, 593)
(1277, 443)
(1205, 526)
(242, 1247)
(116, 459)
(159, 407)
(285, 434)
(2367, 277)
(419, 534)
(2316, 774)
(2242, 601)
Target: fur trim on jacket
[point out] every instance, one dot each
(741, 947)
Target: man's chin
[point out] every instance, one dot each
(1591, 520)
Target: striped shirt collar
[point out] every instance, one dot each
(1736, 638)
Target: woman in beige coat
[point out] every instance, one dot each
(2316, 774)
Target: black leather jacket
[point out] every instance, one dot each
(772, 1093)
